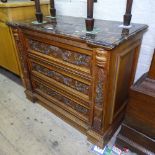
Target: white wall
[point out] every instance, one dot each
(143, 12)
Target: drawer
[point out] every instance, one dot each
(61, 77)
(60, 99)
(74, 85)
(68, 70)
(67, 56)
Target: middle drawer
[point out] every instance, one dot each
(62, 80)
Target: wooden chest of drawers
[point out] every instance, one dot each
(81, 77)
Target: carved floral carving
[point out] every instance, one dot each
(99, 88)
(26, 81)
(102, 59)
(62, 99)
(70, 82)
(75, 58)
(102, 62)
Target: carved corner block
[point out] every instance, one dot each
(102, 67)
(102, 58)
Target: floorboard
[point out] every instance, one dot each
(30, 129)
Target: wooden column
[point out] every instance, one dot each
(90, 20)
(102, 69)
(19, 40)
(128, 15)
(52, 8)
(39, 15)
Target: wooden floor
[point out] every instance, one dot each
(30, 129)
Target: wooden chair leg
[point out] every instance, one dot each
(90, 20)
(52, 8)
(39, 15)
(128, 15)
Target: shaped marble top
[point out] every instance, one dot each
(106, 34)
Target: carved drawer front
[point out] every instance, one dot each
(60, 99)
(61, 78)
(75, 58)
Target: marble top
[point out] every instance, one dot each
(107, 34)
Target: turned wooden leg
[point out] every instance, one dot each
(89, 24)
(90, 20)
(39, 15)
(128, 15)
(52, 8)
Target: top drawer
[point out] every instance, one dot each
(70, 56)
(66, 55)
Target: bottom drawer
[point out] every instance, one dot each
(60, 100)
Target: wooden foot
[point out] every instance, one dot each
(30, 96)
